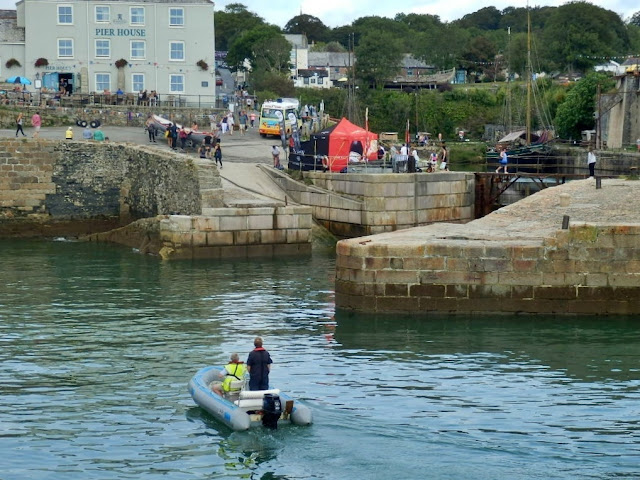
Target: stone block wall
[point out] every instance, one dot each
(237, 232)
(351, 205)
(44, 181)
(588, 269)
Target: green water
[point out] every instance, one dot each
(98, 344)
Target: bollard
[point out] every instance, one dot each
(598, 183)
(565, 199)
(565, 222)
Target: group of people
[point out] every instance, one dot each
(233, 374)
(437, 161)
(207, 151)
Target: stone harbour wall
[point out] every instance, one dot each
(85, 183)
(587, 269)
(252, 231)
(351, 205)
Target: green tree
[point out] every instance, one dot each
(487, 18)
(635, 19)
(334, 47)
(578, 34)
(576, 113)
(232, 22)
(479, 56)
(311, 26)
(269, 85)
(373, 25)
(378, 58)
(634, 37)
(244, 48)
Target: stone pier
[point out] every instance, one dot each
(515, 260)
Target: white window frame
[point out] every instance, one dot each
(144, 50)
(61, 6)
(134, 88)
(72, 47)
(184, 55)
(108, 55)
(171, 84)
(108, 77)
(181, 16)
(103, 8)
(144, 15)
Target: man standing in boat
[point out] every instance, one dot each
(259, 366)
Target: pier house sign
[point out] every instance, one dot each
(121, 32)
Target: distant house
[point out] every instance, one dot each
(299, 59)
(336, 63)
(313, 78)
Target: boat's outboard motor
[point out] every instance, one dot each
(271, 410)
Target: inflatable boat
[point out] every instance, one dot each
(246, 408)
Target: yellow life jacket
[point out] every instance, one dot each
(235, 371)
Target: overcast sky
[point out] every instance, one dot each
(334, 13)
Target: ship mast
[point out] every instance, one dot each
(529, 74)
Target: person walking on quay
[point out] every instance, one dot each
(217, 155)
(591, 161)
(259, 366)
(19, 123)
(230, 122)
(68, 135)
(243, 120)
(252, 119)
(183, 137)
(275, 153)
(36, 123)
(151, 129)
(173, 136)
(504, 160)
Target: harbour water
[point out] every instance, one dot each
(98, 344)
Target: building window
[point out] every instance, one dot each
(176, 83)
(65, 47)
(409, 73)
(65, 15)
(176, 51)
(138, 49)
(137, 15)
(176, 17)
(103, 14)
(320, 80)
(103, 82)
(305, 80)
(103, 48)
(137, 82)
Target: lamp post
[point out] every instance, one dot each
(39, 87)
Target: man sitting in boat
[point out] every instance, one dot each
(232, 375)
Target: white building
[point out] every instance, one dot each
(162, 43)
